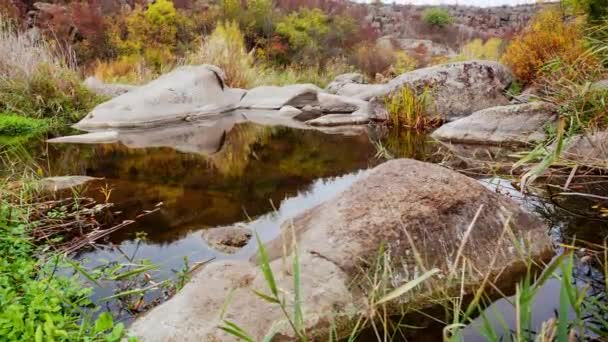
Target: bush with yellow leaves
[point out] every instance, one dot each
(546, 38)
(225, 47)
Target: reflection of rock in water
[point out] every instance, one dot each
(254, 165)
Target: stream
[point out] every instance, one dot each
(259, 176)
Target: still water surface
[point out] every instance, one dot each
(254, 175)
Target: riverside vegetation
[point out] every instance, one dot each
(561, 53)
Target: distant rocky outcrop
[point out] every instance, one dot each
(405, 21)
(413, 210)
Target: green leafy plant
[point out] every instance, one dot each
(436, 16)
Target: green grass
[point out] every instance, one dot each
(47, 95)
(15, 125)
(407, 108)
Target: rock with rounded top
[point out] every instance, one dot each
(455, 89)
(416, 212)
(185, 92)
(513, 124)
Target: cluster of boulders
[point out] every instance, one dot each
(469, 95)
(199, 92)
(409, 207)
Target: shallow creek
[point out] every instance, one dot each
(258, 176)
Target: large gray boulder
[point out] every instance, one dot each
(414, 210)
(184, 92)
(513, 124)
(273, 97)
(457, 89)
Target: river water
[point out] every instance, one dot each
(258, 176)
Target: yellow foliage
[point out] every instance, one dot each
(153, 33)
(408, 108)
(126, 69)
(225, 47)
(403, 63)
(546, 38)
(477, 49)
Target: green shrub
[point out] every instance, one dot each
(306, 31)
(439, 17)
(15, 125)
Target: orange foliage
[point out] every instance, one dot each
(546, 38)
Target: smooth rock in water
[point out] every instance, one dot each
(289, 111)
(337, 104)
(397, 204)
(272, 97)
(334, 86)
(590, 149)
(54, 184)
(512, 124)
(308, 113)
(227, 239)
(110, 90)
(185, 92)
(456, 89)
(330, 120)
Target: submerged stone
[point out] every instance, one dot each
(404, 206)
(227, 239)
